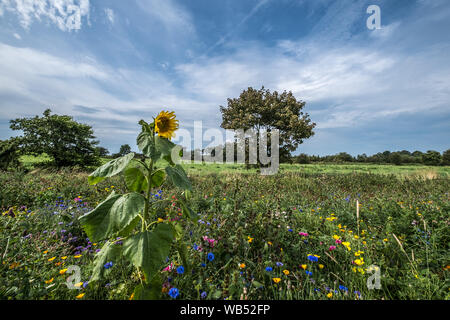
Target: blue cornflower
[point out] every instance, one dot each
(269, 269)
(85, 284)
(203, 295)
(309, 273)
(174, 293)
(313, 258)
(210, 256)
(343, 288)
(279, 264)
(180, 270)
(203, 265)
(290, 230)
(108, 265)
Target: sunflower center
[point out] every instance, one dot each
(163, 125)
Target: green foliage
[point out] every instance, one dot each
(446, 158)
(9, 154)
(432, 158)
(149, 249)
(66, 141)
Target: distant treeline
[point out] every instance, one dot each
(431, 157)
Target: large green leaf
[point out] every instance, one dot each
(179, 177)
(112, 215)
(158, 178)
(135, 180)
(151, 291)
(110, 169)
(164, 145)
(146, 144)
(149, 249)
(109, 252)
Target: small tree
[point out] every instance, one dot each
(102, 152)
(124, 150)
(262, 110)
(446, 158)
(302, 158)
(431, 158)
(396, 158)
(66, 141)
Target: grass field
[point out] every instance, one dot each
(294, 235)
(322, 168)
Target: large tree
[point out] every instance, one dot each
(66, 141)
(263, 110)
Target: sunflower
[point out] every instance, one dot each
(166, 124)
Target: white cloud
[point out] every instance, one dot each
(17, 36)
(32, 80)
(110, 15)
(67, 15)
(357, 85)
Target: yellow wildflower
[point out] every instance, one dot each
(49, 281)
(81, 295)
(276, 280)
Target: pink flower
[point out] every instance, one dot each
(304, 234)
(169, 267)
(338, 241)
(331, 248)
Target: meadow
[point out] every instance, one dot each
(294, 235)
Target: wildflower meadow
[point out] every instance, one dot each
(151, 229)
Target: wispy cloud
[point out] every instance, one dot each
(110, 15)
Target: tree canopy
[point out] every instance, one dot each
(66, 141)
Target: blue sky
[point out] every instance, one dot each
(110, 63)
